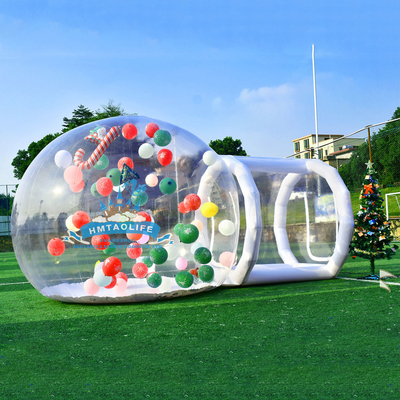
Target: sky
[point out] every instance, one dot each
(215, 68)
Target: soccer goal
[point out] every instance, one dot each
(395, 194)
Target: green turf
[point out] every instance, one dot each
(336, 339)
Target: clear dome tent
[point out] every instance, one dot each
(134, 209)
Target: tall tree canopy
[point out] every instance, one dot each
(82, 115)
(228, 146)
(385, 150)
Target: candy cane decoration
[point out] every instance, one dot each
(98, 152)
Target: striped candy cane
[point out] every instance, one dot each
(98, 152)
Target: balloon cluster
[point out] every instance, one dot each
(168, 264)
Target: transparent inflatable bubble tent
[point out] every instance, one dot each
(134, 209)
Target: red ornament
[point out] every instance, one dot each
(151, 129)
(134, 250)
(165, 157)
(194, 272)
(140, 270)
(111, 266)
(129, 131)
(182, 208)
(101, 242)
(122, 276)
(56, 247)
(80, 218)
(125, 160)
(104, 186)
(192, 202)
(112, 284)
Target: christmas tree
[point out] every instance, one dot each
(372, 235)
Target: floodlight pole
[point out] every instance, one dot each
(315, 105)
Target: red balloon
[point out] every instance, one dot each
(134, 236)
(101, 242)
(122, 276)
(129, 131)
(111, 266)
(192, 202)
(125, 160)
(164, 157)
(182, 208)
(104, 186)
(146, 215)
(112, 284)
(56, 247)
(134, 250)
(151, 129)
(140, 270)
(80, 218)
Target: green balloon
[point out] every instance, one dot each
(188, 234)
(202, 255)
(158, 255)
(147, 261)
(167, 186)
(184, 279)
(111, 249)
(139, 198)
(154, 280)
(178, 228)
(206, 273)
(102, 163)
(162, 138)
(115, 175)
(94, 191)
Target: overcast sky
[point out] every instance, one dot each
(215, 68)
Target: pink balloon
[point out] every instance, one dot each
(227, 259)
(144, 239)
(90, 287)
(181, 263)
(73, 175)
(78, 187)
(121, 286)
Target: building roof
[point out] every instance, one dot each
(320, 135)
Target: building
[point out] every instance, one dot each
(332, 149)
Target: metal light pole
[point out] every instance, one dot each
(315, 105)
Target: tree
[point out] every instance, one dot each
(228, 146)
(6, 204)
(82, 115)
(372, 235)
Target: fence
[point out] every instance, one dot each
(336, 151)
(6, 200)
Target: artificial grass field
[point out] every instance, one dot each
(335, 339)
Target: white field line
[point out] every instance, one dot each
(13, 283)
(370, 280)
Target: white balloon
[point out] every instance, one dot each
(100, 279)
(70, 226)
(209, 157)
(151, 180)
(146, 150)
(98, 266)
(227, 227)
(63, 159)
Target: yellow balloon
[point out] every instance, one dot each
(209, 209)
